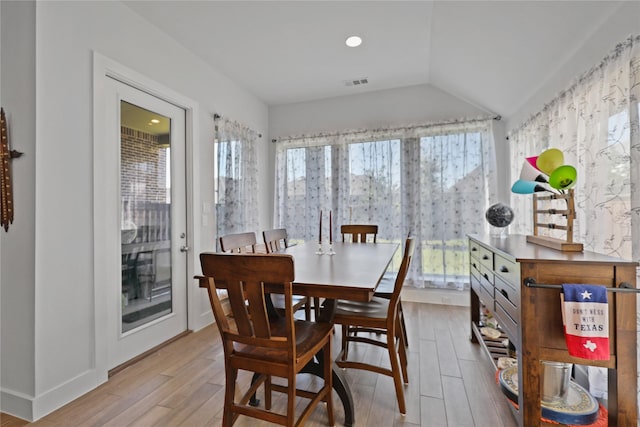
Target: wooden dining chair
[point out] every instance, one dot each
(274, 241)
(279, 348)
(238, 242)
(378, 316)
(359, 232)
(385, 290)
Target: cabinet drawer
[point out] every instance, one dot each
(507, 269)
(486, 286)
(474, 266)
(475, 283)
(486, 275)
(474, 249)
(507, 297)
(482, 254)
(486, 297)
(507, 291)
(507, 324)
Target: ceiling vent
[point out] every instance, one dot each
(356, 82)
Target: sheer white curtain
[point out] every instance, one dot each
(433, 181)
(236, 175)
(595, 124)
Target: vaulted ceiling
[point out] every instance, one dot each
(492, 54)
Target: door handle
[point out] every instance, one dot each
(184, 248)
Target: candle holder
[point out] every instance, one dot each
(331, 251)
(319, 251)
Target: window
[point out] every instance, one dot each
(235, 178)
(434, 183)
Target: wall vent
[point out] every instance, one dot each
(356, 82)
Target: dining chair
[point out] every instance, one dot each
(238, 242)
(379, 316)
(359, 232)
(253, 343)
(385, 290)
(274, 241)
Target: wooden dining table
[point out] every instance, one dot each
(352, 273)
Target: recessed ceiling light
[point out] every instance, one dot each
(156, 121)
(353, 41)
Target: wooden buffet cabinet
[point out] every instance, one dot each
(505, 273)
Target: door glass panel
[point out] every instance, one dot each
(145, 184)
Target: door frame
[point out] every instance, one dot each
(104, 269)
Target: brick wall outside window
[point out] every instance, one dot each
(143, 180)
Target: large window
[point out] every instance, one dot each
(432, 182)
(235, 178)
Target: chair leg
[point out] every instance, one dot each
(404, 327)
(395, 369)
(267, 393)
(291, 400)
(402, 350)
(345, 341)
(228, 417)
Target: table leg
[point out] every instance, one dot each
(340, 385)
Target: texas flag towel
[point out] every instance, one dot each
(585, 314)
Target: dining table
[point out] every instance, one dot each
(351, 272)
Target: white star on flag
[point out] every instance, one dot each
(590, 345)
(586, 295)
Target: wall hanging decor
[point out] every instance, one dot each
(6, 188)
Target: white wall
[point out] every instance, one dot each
(394, 107)
(66, 34)
(17, 275)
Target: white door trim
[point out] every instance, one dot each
(104, 68)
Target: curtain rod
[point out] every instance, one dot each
(217, 116)
(357, 131)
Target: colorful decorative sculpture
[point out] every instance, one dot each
(546, 172)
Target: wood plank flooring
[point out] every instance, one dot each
(451, 383)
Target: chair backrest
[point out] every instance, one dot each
(243, 276)
(276, 239)
(238, 243)
(359, 232)
(409, 248)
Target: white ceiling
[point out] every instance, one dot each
(492, 54)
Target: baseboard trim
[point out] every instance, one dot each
(436, 296)
(139, 357)
(17, 404)
(32, 408)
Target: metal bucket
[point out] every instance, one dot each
(555, 382)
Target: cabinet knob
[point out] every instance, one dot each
(504, 293)
(485, 257)
(504, 269)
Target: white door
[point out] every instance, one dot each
(148, 304)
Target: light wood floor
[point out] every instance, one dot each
(451, 383)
